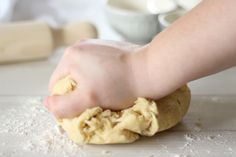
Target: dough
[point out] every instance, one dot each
(145, 117)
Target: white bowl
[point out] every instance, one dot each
(6, 8)
(188, 4)
(167, 19)
(133, 20)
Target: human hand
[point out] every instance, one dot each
(104, 74)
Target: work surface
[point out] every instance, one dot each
(27, 129)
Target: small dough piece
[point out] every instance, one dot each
(145, 117)
(64, 86)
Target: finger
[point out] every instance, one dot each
(67, 106)
(45, 102)
(58, 74)
(64, 68)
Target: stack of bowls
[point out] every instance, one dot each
(138, 21)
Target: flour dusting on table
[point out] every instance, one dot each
(33, 121)
(26, 126)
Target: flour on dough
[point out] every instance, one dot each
(145, 117)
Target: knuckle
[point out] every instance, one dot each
(82, 41)
(70, 51)
(83, 45)
(80, 46)
(75, 49)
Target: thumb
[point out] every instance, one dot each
(65, 106)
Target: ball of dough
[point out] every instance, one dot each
(144, 118)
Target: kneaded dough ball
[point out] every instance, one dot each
(145, 117)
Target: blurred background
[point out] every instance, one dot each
(34, 34)
(59, 12)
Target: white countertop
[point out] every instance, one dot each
(207, 130)
(31, 78)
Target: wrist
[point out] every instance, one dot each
(154, 74)
(140, 78)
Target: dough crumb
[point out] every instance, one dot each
(211, 137)
(106, 152)
(59, 129)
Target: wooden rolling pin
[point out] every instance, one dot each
(36, 40)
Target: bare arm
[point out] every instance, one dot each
(201, 43)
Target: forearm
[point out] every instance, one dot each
(201, 43)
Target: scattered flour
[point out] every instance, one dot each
(191, 137)
(24, 120)
(230, 149)
(213, 140)
(32, 121)
(215, 99)
(182, 155)
(52, 142)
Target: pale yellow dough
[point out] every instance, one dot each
(145, 117)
